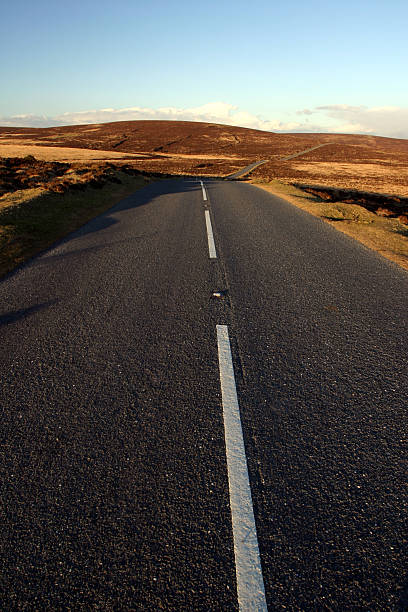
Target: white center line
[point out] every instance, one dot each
(250, 584)
(211, 243)
(204, 191)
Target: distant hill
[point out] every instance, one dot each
(187, 137)
(183, 147)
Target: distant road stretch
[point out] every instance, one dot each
(246, 170)
(305, 151)
(204, 407)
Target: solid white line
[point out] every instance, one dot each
(250, 584)
(211, 243)
(204, 191)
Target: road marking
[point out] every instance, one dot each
(204, 191)
(250, 584)
(211, 243)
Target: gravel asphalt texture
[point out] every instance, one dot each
(114, 480)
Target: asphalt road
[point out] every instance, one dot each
(115, 484)
(246, 170)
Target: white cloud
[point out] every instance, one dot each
(26, 121)
(391, 121)
(352, 128)
(339, 108)
(336, 118)
(213, 112)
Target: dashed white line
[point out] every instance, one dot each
(211, 243)
(250, 584)
(204, 191)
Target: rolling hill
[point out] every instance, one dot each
(371, 163)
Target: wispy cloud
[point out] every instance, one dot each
(27, 121)
(336, 118)
(305, 111)
(389, 121)
(213, 112)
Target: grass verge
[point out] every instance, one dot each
(31, 220)
(387, 236)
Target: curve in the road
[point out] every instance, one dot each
(246, 170)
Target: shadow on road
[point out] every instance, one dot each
(50, 259)
(16, 315)
(155, 190)
(97, 225)
(142, 197)
(403, 601)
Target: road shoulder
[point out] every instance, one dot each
(386, 236)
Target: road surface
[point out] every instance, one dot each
(325, 144)
(246, 170)
(201, 349)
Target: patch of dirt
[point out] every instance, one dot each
(27, 173)
(380, 204)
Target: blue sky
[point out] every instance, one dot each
(294, 66)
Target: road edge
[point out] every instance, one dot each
(357, 231)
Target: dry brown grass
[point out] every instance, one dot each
(203, 157)
(367, 163)
(19, 197)
(382, 177)
(166, 163)
(62, 154)
(333, 169)
(386, 236)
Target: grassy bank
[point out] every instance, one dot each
(33, 219)
(387, 236)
